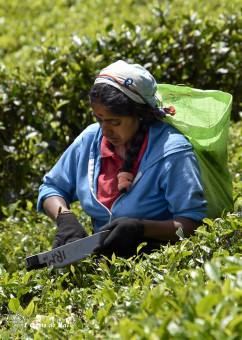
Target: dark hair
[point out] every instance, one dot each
(120, 104)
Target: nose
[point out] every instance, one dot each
(106, 129)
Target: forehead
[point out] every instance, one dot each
(103, 112)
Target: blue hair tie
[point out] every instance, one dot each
(128, 81)
(160, 112)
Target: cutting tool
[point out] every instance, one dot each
(66, 254)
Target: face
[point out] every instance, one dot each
(118, 130)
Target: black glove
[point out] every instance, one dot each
(69, 230)
(126, 234)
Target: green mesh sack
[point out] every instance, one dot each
(203, 117)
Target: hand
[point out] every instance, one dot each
(125, 236)
(69, 230)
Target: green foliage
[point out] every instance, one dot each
(39, 117)
(51, 22)
(188, 290)
(45, 107)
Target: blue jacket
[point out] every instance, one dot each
(167, 185)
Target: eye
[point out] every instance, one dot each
(113, 122)
(116, 123)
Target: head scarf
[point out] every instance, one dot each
(137, 83)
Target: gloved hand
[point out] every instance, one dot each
(125, 236)
(69, 230)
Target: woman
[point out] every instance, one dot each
(132, 173)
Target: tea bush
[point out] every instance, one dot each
(45, 108)
(27, 25)
(191, 289)
(187, 290)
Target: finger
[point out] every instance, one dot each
(112, 241)
(109, 226)
(97, 249)
(56, 243)
(72, 239)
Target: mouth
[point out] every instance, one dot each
(112, 140)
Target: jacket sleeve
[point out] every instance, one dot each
(183, 187)
(61, 180)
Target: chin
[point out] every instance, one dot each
(114, 141)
